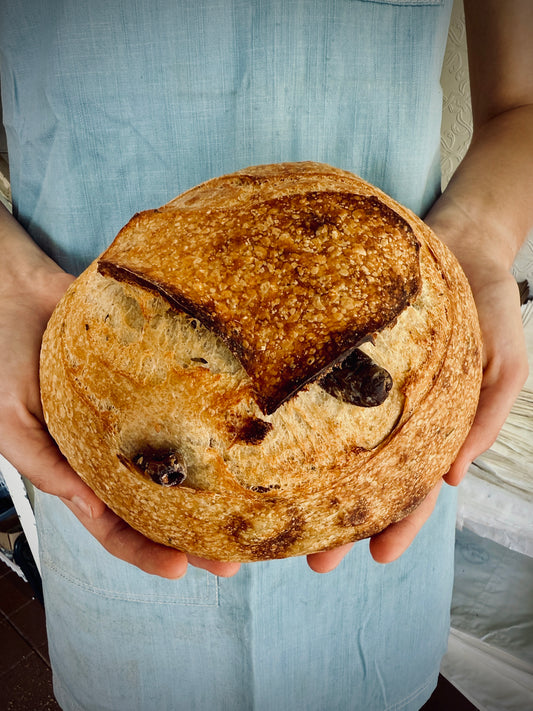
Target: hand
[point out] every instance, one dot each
(26, 444)
(483, 216)
(25, 307)
(505, 369)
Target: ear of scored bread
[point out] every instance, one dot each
(291, 267)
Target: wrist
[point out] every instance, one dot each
(484, 247)
(486, 210)
(26, 272)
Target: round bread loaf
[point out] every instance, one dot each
(277, 362)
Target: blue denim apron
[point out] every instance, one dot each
(114, 107)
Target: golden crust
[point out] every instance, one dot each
(291, 270)
(123, 373)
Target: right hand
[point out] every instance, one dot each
(25, 307)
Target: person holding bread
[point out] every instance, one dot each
(111, 109)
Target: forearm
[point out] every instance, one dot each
(24, 267)
(486, 210)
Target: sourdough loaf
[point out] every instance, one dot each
(200, 375)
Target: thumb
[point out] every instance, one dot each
(497, 396)
(31, 450)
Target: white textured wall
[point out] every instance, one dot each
(456, 131)
(457, 122)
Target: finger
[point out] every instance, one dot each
(124, 542)
(493, 408)
(396, 538)
(504, 374)
(326, 561)
(499, 391)
(32, 451)
(35, 455)
(221, 569)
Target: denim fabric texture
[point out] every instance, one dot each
(114, 107)
(275, 637)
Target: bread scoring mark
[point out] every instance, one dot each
(289, 283)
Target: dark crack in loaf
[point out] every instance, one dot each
(210, 375)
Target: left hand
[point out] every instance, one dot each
(483, 216)
(505, 369)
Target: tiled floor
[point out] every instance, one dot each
(447, 698)
(25, 675)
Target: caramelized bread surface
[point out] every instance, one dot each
(291, 269)
(139, 391)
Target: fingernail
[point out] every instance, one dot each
(82, 506)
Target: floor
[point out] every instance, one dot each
(25, 674)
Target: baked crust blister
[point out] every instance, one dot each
(160, 349)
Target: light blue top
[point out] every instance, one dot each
(112, 107)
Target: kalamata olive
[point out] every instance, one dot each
(164, 467)
(358, 380)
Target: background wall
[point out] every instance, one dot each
(456, 132)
